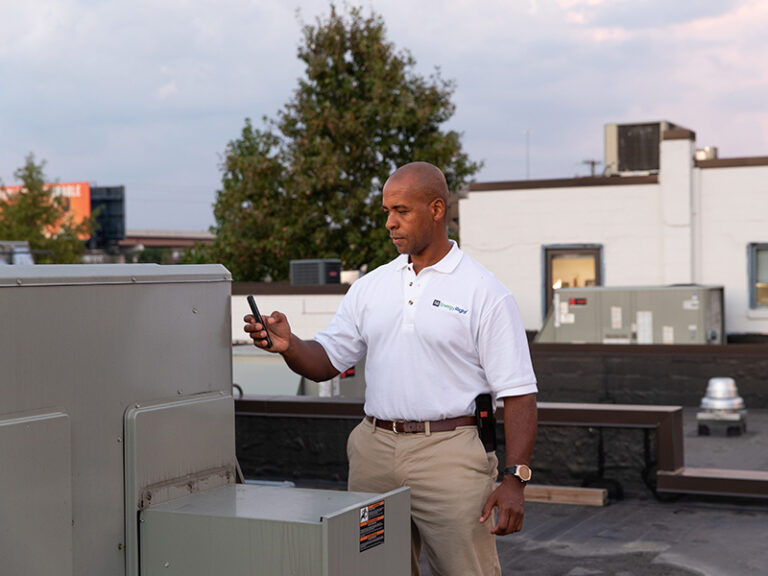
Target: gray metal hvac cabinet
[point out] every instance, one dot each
(78, 346)
(116, 405)
(689, 314)
(276, 531)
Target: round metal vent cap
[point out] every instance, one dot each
(722, 394)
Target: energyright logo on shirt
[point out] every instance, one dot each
(449, 307)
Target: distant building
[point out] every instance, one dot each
(667, 214)
(108, 207)
(162, 246)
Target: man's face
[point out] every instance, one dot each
(410, 217)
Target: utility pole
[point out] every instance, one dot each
(592, 164)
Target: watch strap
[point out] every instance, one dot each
(515, 471)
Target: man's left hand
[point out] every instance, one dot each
(509, 498)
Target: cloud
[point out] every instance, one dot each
(166, 90)
(645, 14)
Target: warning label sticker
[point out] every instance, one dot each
(371, 526)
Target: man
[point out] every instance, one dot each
(438, 329)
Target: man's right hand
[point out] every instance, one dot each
(305, 357)
(279, 331)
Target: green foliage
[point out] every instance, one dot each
(35, 215)
(199, 253)
(308, 185)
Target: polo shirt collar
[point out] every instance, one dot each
(446, 265)
(450, 261)
(402, 261)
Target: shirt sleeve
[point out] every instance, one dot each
(503, 350)
(341, 340)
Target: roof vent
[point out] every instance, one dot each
(722, 408)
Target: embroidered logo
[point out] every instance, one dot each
(449, 307)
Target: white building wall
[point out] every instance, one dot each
(507, 231)
(307, 314)
(676, 182)
(734, 213)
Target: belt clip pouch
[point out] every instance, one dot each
(486, 421)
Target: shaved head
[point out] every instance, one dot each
(415, 199)
(424, 178)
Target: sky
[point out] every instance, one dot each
(148, 93)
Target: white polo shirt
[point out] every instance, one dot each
(434, 340)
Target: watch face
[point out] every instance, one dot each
(524, 473)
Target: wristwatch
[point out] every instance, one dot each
(522, 472)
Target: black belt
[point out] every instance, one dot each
(412, 427)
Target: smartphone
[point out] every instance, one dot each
(259, 319)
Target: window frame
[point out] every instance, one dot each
(752, 250)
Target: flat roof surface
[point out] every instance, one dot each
(639, 538)
(684, 536)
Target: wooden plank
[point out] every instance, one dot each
(750, 483)
(566, 495)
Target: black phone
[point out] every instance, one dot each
(259, 319)
(485, 410)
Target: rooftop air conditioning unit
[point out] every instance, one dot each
(706, 153)
(15, 252)
(316, 271)
(679, 314)
(634, 148)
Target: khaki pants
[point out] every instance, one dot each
(450, 476)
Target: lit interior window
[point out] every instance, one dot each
(573, 271)
(761, 277)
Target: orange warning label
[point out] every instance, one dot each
(371, 526)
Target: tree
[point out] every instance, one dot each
(35, 215)
(308, 184)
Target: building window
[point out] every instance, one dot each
(758, 275)
(569, 266)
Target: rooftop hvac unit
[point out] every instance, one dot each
(706, 153)
(133, 435)
(688, 314)
(633, 148)
(15, 252)
(314, 272)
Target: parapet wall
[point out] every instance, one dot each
(304, 441)
(636, 374)
(310, 447)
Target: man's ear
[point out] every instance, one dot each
(438, 209)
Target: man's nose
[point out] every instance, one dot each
(391, 221)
